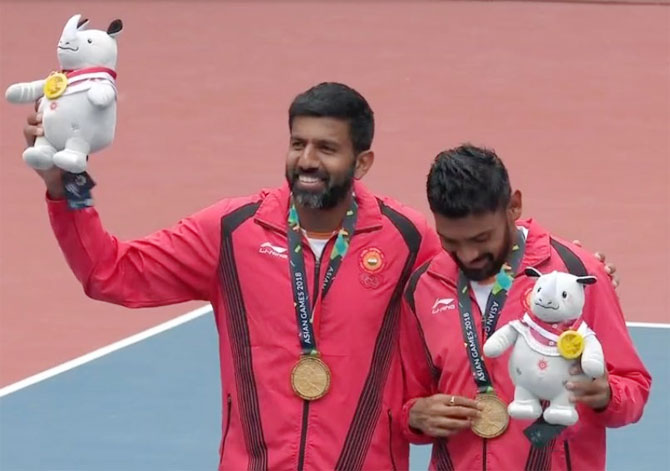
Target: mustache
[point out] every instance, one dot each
(486, 257)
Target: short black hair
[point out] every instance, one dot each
(336, 100)
(467, 180)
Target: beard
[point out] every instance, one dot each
(327, 198)
(493, 265)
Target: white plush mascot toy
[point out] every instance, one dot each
(548, 342)
(78, 104)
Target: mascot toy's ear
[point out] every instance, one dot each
(586, 280)
(532, 272)
(115, 28)
(82, 24)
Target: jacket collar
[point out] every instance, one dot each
(273, 211)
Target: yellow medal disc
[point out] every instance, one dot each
(494, 418)
(570, 344)
(310, 378)
(55, 85)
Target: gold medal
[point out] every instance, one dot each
(310, 378)
(494, 418)
(55, 85)
(570, 344)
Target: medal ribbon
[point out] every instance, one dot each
(89, 70)
(303, 309)
(494, 306)
(550, 330)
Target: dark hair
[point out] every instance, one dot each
(336, 100)
(467, 180)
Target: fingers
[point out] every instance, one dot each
(599, 256)
(445, 427)
(33, 129)
(580, 388)
(595, 399)
(595, 394)
(451, 400)
(447, 419)
(30, 133)
(34, 119)
(610, 268)
(448, 405)
(442, 415)
(591, 400)
(456, 412)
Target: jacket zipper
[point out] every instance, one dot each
(484, 440)
(391, 440)
(303, 435)
(225, 432)
(568, 461)
(305, 406)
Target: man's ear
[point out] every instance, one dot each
(515, 205)
(364, 162)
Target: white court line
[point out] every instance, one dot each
(649, 325)
(189, 316)
(24, 383)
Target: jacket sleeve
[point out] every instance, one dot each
(418, 370)
(167, 267)
(629, 380)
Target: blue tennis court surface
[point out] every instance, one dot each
(155, 405)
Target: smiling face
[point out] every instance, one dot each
(331, 127)
(557, 297)
(320, 163)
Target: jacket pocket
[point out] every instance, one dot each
(391, 439)
(229, 404)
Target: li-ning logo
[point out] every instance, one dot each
(269, 249)
(443, 304)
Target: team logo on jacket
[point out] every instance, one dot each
(443, 304)
(369, 280)
(268, 249)
(372, 260)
